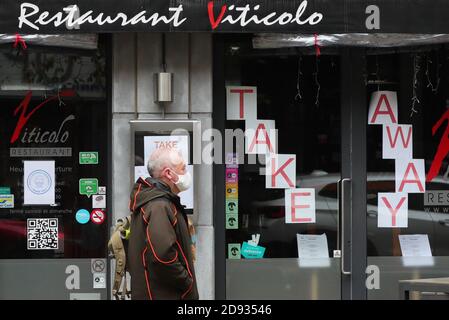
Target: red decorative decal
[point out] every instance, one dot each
(20, 40)
(23, 108)
(443, 147)
(383, 98)
(317, 46)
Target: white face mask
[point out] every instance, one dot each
(184, 181)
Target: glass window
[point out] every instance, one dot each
(54, 106)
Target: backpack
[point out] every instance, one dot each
(117, 247)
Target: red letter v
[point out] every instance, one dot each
(210, 9)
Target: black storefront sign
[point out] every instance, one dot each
(301, 16)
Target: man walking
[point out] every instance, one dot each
(160, 253)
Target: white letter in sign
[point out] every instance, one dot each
(392, 210)
(73, 14)
(260, 136)
(73, 280)
(281, 171)
(397, 142)
(383, 108)
(23, 19)
(373, 280)
(300, 205)
(373, 20)
(410, 176)
(241, 103)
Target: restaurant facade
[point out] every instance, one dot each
(315, 131)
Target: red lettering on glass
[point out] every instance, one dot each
(399, 132)
(443, 147)
(395, 211)
(411, 166)
(255, 141)
(299, 206)
(389, 111)
(281, 171)
(23, 108)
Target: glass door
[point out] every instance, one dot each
(282, 220)
(407, 168)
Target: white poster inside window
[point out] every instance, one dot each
(392, 210)
(39, 182)
(260, 136)
(410, 176)
(415, 245)
(300, 205)
(280, 171)
(397, 142)
(383, 108)
(241, 103)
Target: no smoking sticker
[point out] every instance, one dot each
(97, 216)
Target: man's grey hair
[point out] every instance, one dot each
(162, 158)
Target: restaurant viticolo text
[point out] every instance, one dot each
(32, 16)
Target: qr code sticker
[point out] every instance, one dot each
(42, 234)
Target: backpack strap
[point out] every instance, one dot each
(117, 248)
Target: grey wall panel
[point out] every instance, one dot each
(283, 278)
(121, 165)
(149, 62)
(123, 76)
(45, 279)
(201, 72)
(177, 62)
(393, 269)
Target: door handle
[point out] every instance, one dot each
(345, 214)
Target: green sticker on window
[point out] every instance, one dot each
(234, 251)
(5, 190)
(88, 157)
(232, 206)
(232, 221)
(88, 186)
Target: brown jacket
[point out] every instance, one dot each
(159, 253)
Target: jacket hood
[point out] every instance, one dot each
(148, 189)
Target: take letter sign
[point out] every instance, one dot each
(300, 205)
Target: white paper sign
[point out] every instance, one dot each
(180, 143)
(140, 171)
(312, 246)
(254, 240)
(99, 201)
(300, 205)
(410, 176)
(39, 182)
(397, 142)
(415, 245)
(241, 103)
(392, 210)
(383, 108)
(99, 280)
(280, 171)
(260, 137)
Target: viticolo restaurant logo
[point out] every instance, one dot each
(35, 136)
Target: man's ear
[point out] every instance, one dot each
(168, 174)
